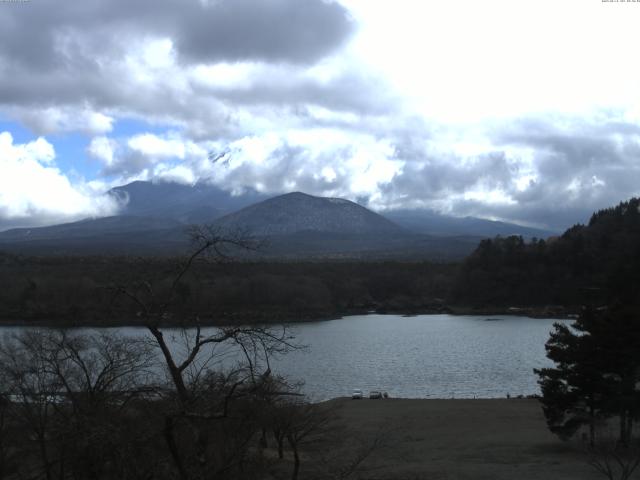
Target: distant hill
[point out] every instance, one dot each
(108, 235)
(199, 203)
(92, 227)
(432, 223)
(298, 212)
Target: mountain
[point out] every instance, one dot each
(298, 212)
(293, 226)
(432, 223)
(297, 225)
(154, 216)
(199, 203)
(120, 234)
(92, 227)
(204, 203)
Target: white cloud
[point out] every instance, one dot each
(64, 119)
(39, 150)
(469, 60)
(104, 149)
(321, 161)
(33, 191)
(177, 173)
(155, 146)
(147, 156)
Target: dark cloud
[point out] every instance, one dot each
(426, 178)
(129, 163)
(351, 91)
(582, 167)
(574, 167)
(544, 215)
(299, 31)
(74, 55)
(41, 33)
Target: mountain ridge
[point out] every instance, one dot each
(433, 223)
(296, 212)
(154, 218)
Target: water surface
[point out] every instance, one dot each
(424, 356)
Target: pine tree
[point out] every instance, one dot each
(597, 369)
(573, 392)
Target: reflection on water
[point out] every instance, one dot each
(424, 356)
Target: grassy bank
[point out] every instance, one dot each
(456, 439)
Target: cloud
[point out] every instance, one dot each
(293, 31)
(146, 156)
(34, 192)
(103, 149)
(214, 68)
(296, 31)
(577, 166)
(550, 171)
(321, 161)
(538, 171)
(53, 119)
(303, 97)
(155, 146)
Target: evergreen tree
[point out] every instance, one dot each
(597, 367)
(573, 391)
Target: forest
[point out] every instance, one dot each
(80, 290)
(591, 264)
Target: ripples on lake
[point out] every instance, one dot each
(432, 356)
(424, 356)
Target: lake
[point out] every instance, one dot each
(423, 356)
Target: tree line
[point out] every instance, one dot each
(597, 262)
(78, 290)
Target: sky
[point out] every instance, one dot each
(516, 110)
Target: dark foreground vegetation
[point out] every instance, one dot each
(102, 406)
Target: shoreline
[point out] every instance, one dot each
(281, 318)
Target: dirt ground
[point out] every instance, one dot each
(458, 439)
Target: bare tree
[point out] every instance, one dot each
(70, 392)
(205, 403)
(612, 459)
(31, 388)
(8, 457)
(300, 422)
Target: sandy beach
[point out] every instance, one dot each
(459, 439)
